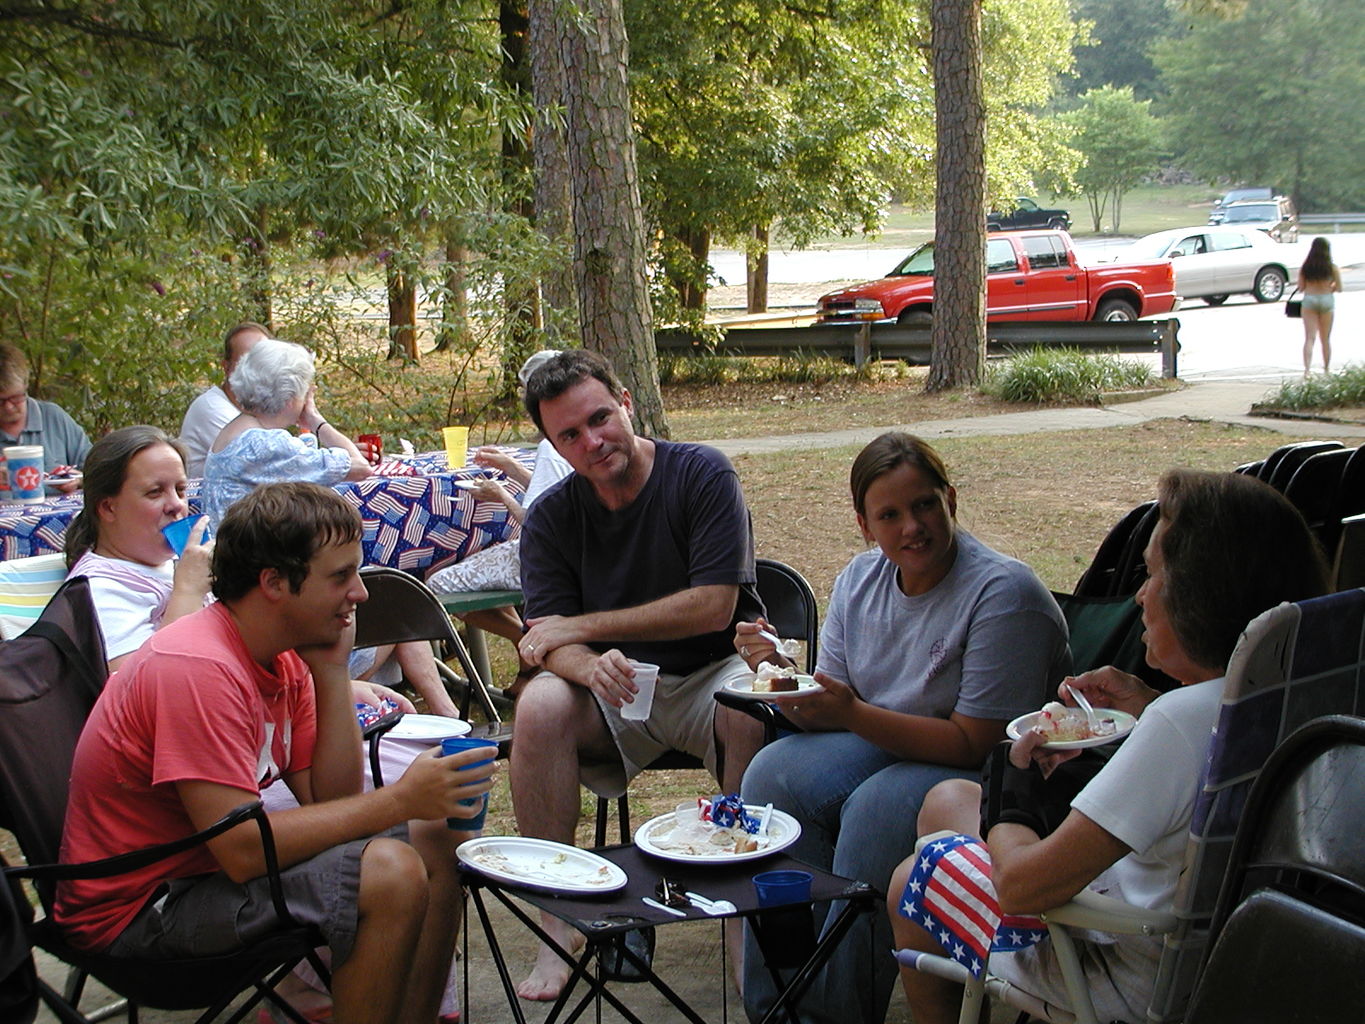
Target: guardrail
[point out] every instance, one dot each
(857, 343)
(1334, 219)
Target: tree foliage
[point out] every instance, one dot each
(1273, 94)
(755, 112)
(1118, 52)
(145, 143)
(1120, 143)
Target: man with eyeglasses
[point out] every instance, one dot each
(25, 420)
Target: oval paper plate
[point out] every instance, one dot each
(1123, 723)
(783, 830)
(743, 688)
(433, 728)
(540, 864)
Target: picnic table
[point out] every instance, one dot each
(410, 521)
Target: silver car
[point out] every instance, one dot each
(1213, 262)
(1276, 217)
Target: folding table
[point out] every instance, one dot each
(604, 918)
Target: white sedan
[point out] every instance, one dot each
(1213, 261)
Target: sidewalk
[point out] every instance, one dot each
(1217, 401)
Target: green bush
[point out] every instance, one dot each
(1062, 375)
(1323, 391)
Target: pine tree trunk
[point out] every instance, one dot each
(609, 233)
(256, 283)
(402, 292)
(521, 293)
(553, 191)
(454, 330)
(691, 283)
(958, 334)
(756, 273)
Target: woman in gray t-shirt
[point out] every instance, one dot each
(932, 643)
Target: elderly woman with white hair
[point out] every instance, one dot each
(274, 386)
(273, 383)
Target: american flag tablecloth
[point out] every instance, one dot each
(950, 894)
(410, 522)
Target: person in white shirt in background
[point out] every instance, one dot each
(215, 408)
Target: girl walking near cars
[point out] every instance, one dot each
(1319, 280)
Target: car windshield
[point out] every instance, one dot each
(1252, 211)
(919, 263)
(1150, 248)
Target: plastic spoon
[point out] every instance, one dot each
(712, 907)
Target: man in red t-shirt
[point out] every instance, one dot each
(224, 702)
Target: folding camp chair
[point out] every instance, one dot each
(1293, 663)
(790, 608)
(1288, 934)
(1117, 569)
(401, 609)
(26, 585)
(49, 680)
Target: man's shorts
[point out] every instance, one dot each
(207, 915)
(680, 720)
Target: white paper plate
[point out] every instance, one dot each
(428, 727)
(1122, 720)
(743, 689)
(783, 830)
(541, 864)
(466, 485)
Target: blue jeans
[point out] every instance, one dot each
(857, 807)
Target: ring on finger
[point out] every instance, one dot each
(744, 650)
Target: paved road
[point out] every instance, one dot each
(1243, 340)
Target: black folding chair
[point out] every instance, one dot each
(1295, 456)
(49, 680)
(402, 609)
(1288, 932)
(790, 608)
(1315, 490)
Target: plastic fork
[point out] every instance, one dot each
(787, 648)
(1084, 705)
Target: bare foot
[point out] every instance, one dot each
(550, 973)
(301, 995)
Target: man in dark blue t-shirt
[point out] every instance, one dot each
(646, 552)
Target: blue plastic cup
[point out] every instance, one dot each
(454, 745)
(778, 888)
(785, 929)
(177, 534)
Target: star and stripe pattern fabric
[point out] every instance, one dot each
(950, 894)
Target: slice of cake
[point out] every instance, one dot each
(775, 679)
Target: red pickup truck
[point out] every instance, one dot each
(1030, 275)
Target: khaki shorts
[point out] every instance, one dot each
(682, 719)
(208, 915)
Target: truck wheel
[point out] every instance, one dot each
(1116, 311)
(1057, 224)
(1269, 286)
(915, 318)
(1215, 300)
